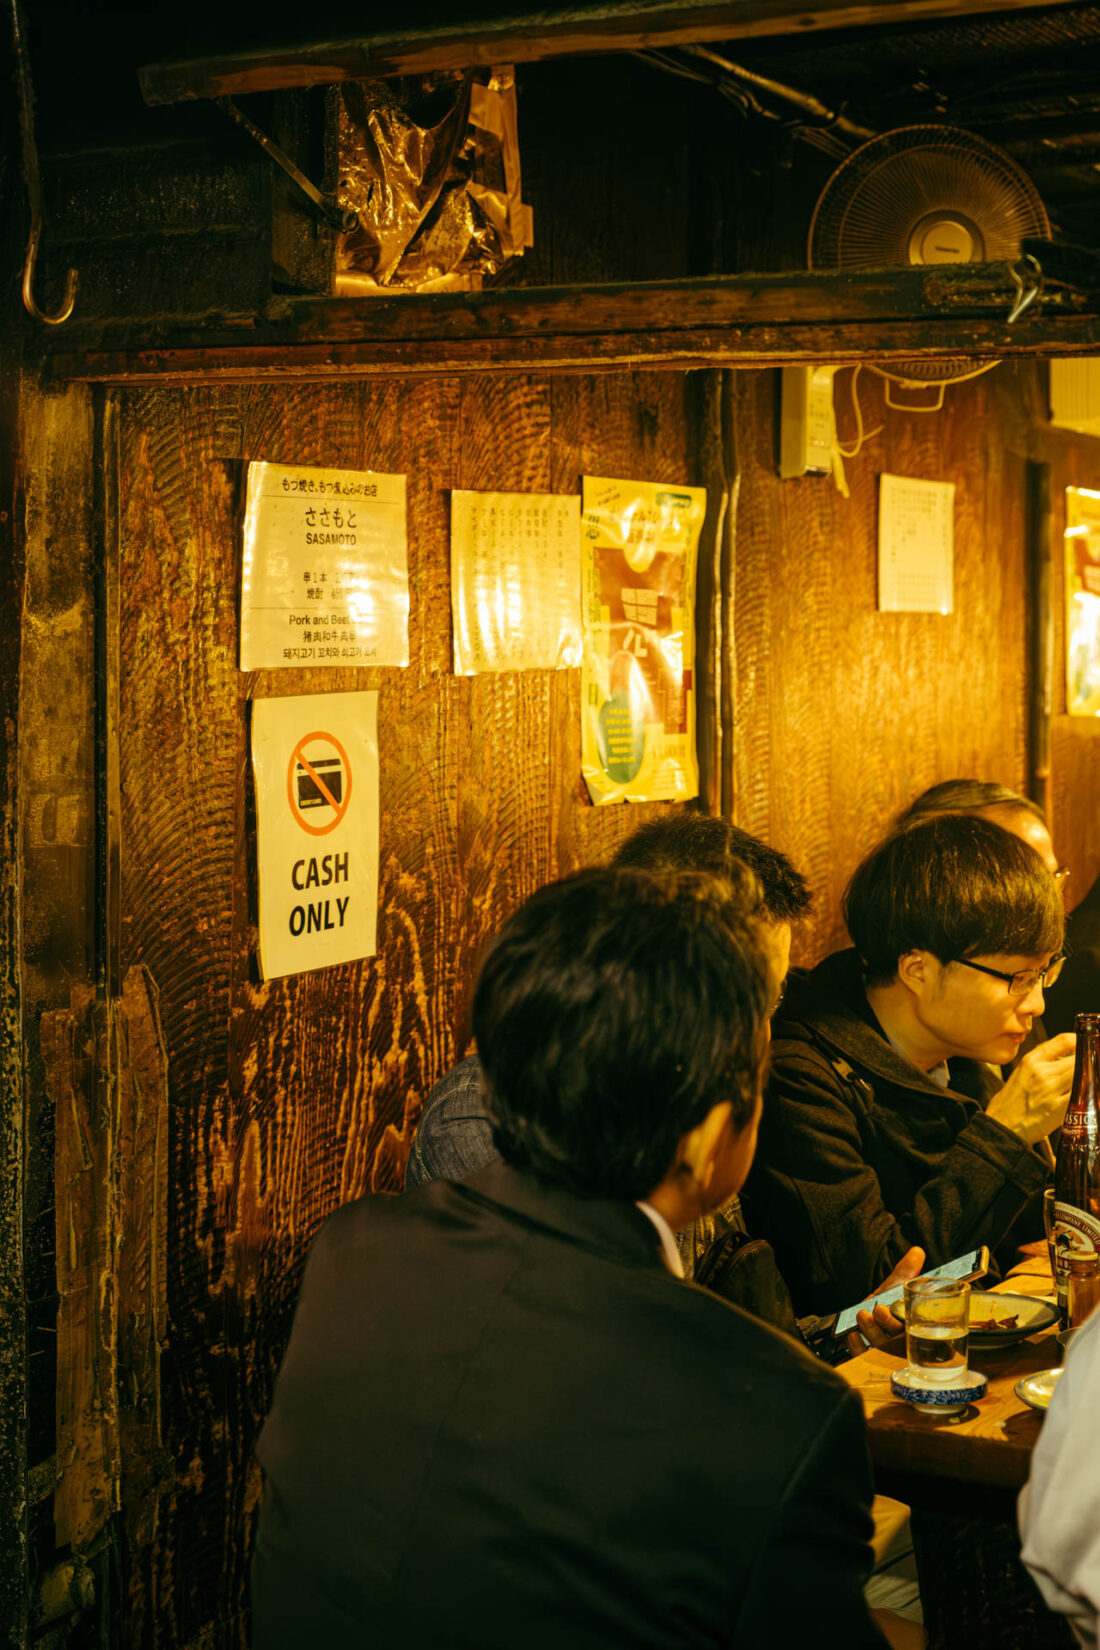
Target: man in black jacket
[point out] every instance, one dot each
(502, 1419)
(886, 1123)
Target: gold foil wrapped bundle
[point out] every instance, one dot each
(432, 169)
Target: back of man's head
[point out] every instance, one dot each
(701, 842)
(955, 885)
(966, 796)
(613, 1012)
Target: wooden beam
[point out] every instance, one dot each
(722, 321)
(616, 25)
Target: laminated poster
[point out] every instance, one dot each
(315, 762)
(1082, 602)
(325, 574)
(515, 581)
(638, 547)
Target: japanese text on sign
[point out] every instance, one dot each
(515, 581)
(324, 576)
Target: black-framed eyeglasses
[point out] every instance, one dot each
(1023, 982)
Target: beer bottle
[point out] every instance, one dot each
(1077, 1170)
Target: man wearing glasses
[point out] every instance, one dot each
(887, 1123)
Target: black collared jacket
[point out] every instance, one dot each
(500, 1422)
(861, 1155)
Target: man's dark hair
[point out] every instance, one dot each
(699, 842)
(957, 886)
(612, 1013)
(965, 796)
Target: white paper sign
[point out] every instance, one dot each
(515, 581)
(916, 545)
(325, 573)
(315, 761)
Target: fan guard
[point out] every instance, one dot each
(925, 195)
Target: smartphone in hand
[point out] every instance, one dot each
(965, 1267)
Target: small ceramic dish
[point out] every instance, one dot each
(938, 1399)
(1038, 1389)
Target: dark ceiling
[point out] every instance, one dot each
(1026, 80)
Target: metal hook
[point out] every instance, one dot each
(1025, 296)
(33, 181)
(71, 279)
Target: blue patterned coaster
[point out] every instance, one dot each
(971, 1387)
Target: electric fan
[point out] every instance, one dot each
(925, 195)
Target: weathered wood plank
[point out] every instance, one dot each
(634, 26)
(717, 321)
(748, 663)
(179, 774)
(77, 1063)
(143, 1193)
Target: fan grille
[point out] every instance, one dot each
(924, 194)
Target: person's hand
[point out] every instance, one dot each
(1034, 1099)
(881, 1326)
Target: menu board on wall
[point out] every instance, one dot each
(515, 581)
(1082, 602)
(638, 548)
(325, 575)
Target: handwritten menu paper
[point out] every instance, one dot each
(324, 575)
(515, 581)
(916, 545)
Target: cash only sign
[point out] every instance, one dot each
(315, 760)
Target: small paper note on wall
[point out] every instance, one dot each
(515, 581)
(315, 761)
(916, 545)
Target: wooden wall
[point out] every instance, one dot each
(1075, 740)
(288, 1098)
(845, 713)
(285, 1099)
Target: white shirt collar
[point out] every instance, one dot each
(938, 1074)
(669, 1252)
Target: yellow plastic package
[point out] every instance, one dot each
(638, 549)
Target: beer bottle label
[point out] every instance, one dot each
(1076, 1232)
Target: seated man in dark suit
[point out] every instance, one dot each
(502, 1419)
(454, 1136)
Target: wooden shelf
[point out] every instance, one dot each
(735, 320)
(616, 25)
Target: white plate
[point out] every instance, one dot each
(1031, 1313)
(1037, 1390)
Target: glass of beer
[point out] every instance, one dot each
(1082, 1287)
(937, 1329)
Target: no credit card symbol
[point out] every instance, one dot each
(318, 783)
